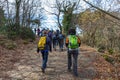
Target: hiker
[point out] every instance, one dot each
(50, 36)
(54, 40)
(57, 33)
(44, 49)
(35, 31)
(38, 31)
(72, 43)
(61, 41)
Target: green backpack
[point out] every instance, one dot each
(73, 42)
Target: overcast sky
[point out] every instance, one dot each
(49, 20)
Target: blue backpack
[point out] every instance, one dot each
(60, 36)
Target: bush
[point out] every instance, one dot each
(25, 42)
(27, 33)
(3, 30)
(12, 31)
(2, 42)
(10, 46)
(111, 51)
(12, 35)
(108, 58)
(15, 31)
(101, 49)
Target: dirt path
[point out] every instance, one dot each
(91, 66)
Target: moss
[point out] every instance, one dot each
(111, 51)
(108, 58)
(10, 45)
(25, 41)
(2, 42)
(101, 49)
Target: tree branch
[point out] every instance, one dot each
(103, 10)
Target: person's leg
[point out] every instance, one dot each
(75, 57)
(62, 43)
(69, 61)
(42, 52)
(54, 44)
(45, 59)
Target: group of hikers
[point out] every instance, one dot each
(50, 39)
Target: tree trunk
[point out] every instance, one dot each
(17, 21)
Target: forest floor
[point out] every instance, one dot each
(24, 63)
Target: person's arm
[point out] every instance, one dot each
(37, 46)
(67, 41)
(79, 41)
(50, 44)
(37, 50)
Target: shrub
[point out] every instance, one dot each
(2, 42)
(25, 42)
(27, 33)
(108, 58)
(3, 30)
(12, 31)
(111, 51)
(15, 31)
(101, 49)
(10, 46)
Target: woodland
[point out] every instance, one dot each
(99, 21)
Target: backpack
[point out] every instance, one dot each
(42, 43)
(60, 36)
(54, 36)
(50, 35)
(73, 42)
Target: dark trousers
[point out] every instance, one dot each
(61, 43)
(73, 62)
(44, 58)
(54, 43)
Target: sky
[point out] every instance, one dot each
(50, 21)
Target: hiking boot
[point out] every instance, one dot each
(75, 74)
(43, 70)
(69, 70)
(54, 49)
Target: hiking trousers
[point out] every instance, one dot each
(61, 43)
(44, 58)
(73, 54)
(54, 43)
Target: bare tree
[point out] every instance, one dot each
(17, 6)
(60, 8)
(103, 10)
(31, 9)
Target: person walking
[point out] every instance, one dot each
(43, 47)
(38, 32)
(54, 40)
(61, 41)
(72, 43)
